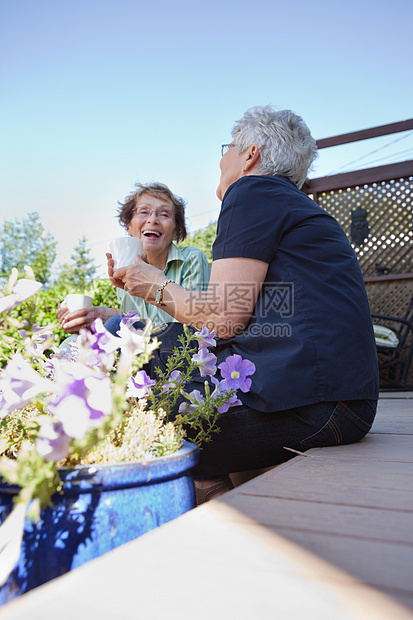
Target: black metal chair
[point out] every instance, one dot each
(395, 361)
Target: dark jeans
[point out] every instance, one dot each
(251, 439)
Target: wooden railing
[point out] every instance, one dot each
(374, 206)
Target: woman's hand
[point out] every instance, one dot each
(139, 280)
(72, 322)
(111, 265)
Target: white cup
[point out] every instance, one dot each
(77, 301)
(124, 249)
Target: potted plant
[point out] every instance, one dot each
(92, 456)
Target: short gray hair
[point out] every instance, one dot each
(286, 145)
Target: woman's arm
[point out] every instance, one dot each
(226, 306)
(228, 303)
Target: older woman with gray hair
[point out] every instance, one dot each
(287, 293)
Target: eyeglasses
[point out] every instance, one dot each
(225, 147)
(161, 214)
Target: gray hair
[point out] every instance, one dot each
(286, 145)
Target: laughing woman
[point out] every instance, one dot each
(155, 215)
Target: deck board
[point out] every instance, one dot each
(371, 556)
(359, 474)
(329, 519)
(328, 536)
(337, 491)
(394, 425)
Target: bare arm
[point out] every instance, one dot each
(226, 306)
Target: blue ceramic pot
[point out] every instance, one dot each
(102, 507)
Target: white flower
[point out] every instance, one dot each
(132, 342)
(14, 276)
(21, 291)
(29, 272)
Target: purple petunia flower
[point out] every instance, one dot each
(205, 338)
(221, 387)
(84, 397)
(52, 443)
(130, 319)
(174, 378)
(234, 401)
(196, 399)
(97, 348)
(103, 340)
(235, 370)
(19, 384)
(206, 362)
(42, 339)
(138, 386)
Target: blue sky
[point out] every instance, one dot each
(98, 94)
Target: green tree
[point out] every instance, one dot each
(79, 275)
(25, 242)
(202, 239)
(104, 293)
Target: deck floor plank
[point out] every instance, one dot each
(348, 472)
(376, 446)
(328, 536)
(329, 519)
(342, 492)
(372, 558)
(393, 423)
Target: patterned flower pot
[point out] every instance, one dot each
(101, 507)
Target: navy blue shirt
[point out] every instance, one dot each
(310, 335)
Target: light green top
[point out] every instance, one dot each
(188, 267)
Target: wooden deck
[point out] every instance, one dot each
(328, 536)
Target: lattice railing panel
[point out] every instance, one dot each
(392, 298)
(387, 246)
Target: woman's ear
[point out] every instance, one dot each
(252, 159)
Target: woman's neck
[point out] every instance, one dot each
(157, 260)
